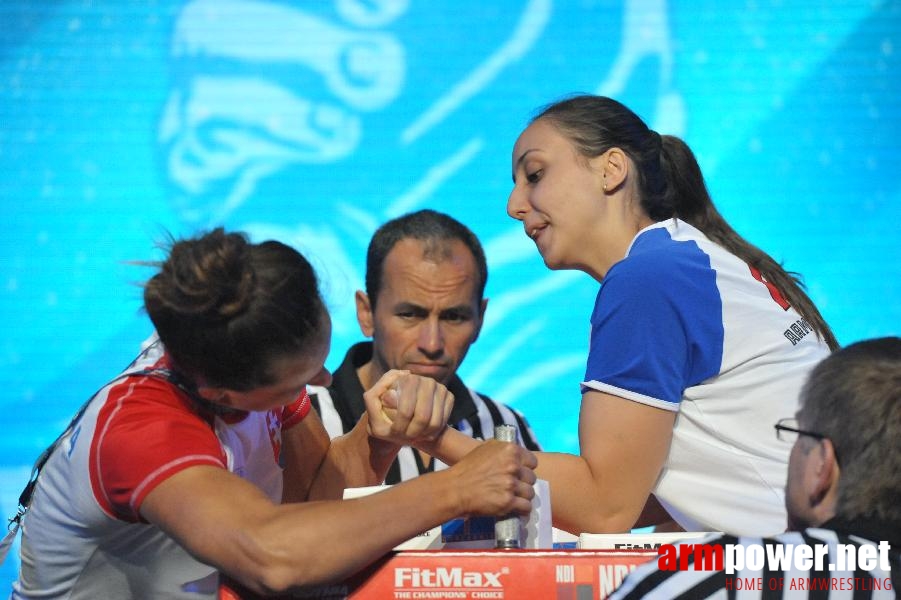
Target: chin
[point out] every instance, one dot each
(559, 265)
(552, 263)
(798, 523)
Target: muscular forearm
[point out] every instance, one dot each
(337, 540)
(230, 524)
(272, 548)
(604, 500)
(583, 501)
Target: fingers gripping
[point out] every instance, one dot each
(405, 408)
(497, 479)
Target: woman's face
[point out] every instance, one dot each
(559, 197)
(292, 375)
(566, 208)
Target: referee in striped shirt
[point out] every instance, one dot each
(843, 497)
(423, 308)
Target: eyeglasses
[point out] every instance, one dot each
(787, 431)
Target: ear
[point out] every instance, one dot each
(482, 306)
(823, 478)
(216, 395)
(364, 313)
(613, 165)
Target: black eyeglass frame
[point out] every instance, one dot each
(780, 426)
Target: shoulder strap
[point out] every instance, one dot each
(28, 491)
(25, 497)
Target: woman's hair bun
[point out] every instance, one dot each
(208, 277)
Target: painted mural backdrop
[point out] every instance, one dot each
(315, 121)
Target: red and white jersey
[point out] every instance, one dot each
(83, 535)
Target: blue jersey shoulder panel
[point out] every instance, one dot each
(657, 325)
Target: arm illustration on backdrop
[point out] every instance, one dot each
(246, 132)
(175, 117)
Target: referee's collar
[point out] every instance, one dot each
(346, 384)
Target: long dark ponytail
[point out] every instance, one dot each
(671, 185)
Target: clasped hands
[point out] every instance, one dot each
(493, 478)
(407, 409)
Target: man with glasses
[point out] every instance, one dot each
(843, 492)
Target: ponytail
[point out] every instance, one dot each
(692, 203)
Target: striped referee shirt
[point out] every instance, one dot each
(790, 580)
(341, 405)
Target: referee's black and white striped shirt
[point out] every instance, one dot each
(771, 582)
(341, 405)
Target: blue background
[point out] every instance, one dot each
(313, 122)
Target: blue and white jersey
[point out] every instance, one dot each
(683, 325)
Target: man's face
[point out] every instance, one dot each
(802, 482)
(427, 313)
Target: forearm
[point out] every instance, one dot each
(450, 447)
(605, 499)
(323, 542)
(623, 448)
(276, 548)
(583, 501)
(578, 501)
(495, 479)
(304, 448)
(230, 524)
(355, 459)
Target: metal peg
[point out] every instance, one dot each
(506, 529)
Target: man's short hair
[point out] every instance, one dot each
(853, 397)
(431, 227)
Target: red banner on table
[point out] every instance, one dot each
(486, 574)
(511, 574)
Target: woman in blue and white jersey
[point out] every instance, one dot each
(700, 341)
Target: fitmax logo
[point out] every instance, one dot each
(442, 577)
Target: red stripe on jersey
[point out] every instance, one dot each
(147, 430)
(163, 473)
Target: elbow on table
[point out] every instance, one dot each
(600, 522)
(268, 569)
(272, 580)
